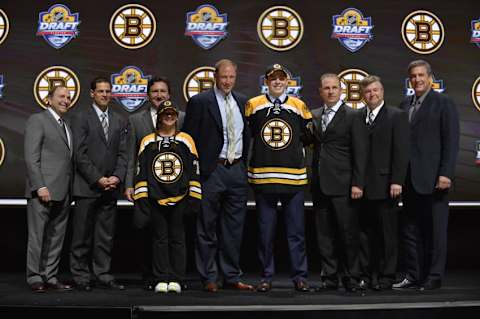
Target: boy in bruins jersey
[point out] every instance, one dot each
(167, 175)
(277, 172)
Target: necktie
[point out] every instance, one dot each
(371, 118)
(64, 129)
(326, 118)
(230, 131)
(105, 125)
(411, 112)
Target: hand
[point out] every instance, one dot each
(44, 194)
(443, 183)
(113, 181)
(103, 183)
(357, 192)
(395, 190)
(129, 193)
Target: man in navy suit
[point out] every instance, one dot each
(434, 138)
(216, 121)
(385, 176)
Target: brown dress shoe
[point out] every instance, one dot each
(38, 287)
(302, 286)
(264, 286)
(239, 286)
(211, 287)
(58, 286)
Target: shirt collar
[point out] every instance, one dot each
(335, 107)
(420, 99)
(282, 97)
(376, 110)
(99, 111)
(220, 94)
(55, 115)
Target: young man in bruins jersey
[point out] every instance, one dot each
(277, 172)
(167, 179)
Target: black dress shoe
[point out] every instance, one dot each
(326, 285)
(58, 286)
(362, 285)
(302, 286)
(405, 283)
(264, 286)
(431, 284)
(84, 287)
(112, 284)
(38, 287)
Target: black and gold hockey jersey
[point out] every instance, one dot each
(167, 169)
(277, 164)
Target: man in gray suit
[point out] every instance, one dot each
(48, 158)
(101, 163)
(140, 125)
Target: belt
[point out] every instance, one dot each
(225, 162)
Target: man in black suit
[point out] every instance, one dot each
(49, 174)
(140, 125)
(434, 138)
(100, 145)
(338, 178)
(385, 176)
(216, 121)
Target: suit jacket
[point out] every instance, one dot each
(48, 158)
(140, 125)
(96, 157)
(340, 153)
(434, 139)
(204, 123)
(387, 163)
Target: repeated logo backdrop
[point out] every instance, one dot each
(46, 43)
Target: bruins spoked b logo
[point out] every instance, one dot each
(2, 152)
(4, 26)
(423, 32)
(280, 28)
(277, 134)
(350, 86)
(53, 76)
(199, 80)
(167, 167)
(133, 26)
(476, 93)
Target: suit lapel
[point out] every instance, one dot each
(111, 126)
(147, 120)
(57, 127)
(337, 118)
(96, 124)
(214, 109)
(423, 110)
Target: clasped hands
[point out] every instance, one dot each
(108, 183)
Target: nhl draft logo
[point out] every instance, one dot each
(4, 26)
(476, 93)
(58, 26)
(129, 87)
(352, 29)
(280, 28)
(206, 26)
(2, 152)
(437, 85)
(133, 26)
(350, 87)
(294, 85)
(423, 32)
(199, 80)
(2, 85)
(53, 76)
(167, 167)
(475, 32)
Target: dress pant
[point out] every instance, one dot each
(93, 228)
(337, 224)
(379, 244)
(220, 223)
(142, 227)
(294, 218)
(169, 250)
(423, 234)
(47, 223)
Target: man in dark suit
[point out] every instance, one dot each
(338, 178)
(48, 159)
(434, 138)
(385, 176)
(140, 125)
(216, 121)
(100, 145)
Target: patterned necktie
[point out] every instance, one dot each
(105, 125)
(230, 131)
(371, 118)
(64, 129)
(413, 109)
(326, 118)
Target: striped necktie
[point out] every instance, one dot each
(105, 125)
(230, 131)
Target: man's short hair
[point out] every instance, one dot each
(54, 89)
(366, 81)
(156, 79)
(416, 63)
(328, 75)
(224, 62)
(98, 79)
